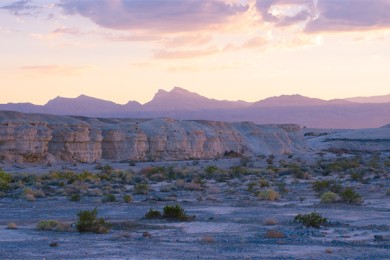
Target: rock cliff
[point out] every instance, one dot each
(38, 139)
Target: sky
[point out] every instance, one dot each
(123, 50)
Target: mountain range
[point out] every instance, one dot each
(358, 112)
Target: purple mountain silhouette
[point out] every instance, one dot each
(183, 104)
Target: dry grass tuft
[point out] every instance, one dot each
(12, 225)
(273, 233)
(328, 250)
(270, 221)
(207, 240)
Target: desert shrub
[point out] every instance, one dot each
(109, 198)
(211, 170)
(5, 180)
(270, 221)
(52, 225)
(297, 171)
(153, 214)
(88, 222)
(282, 187)
(106, 168)
(12, 225)
(75, 197)
(175, 213)
(207, 240)
(274, 233)
(326, 185)
(263, 183)
(127, 198)
(141, 188)
(270, 159)
(348, 195)
(237, 171)
(269, 194)
(30, 194)
(251, 186)
(341, 165)
(329, 197)
(313, 219)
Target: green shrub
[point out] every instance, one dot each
(52, 225)
(5, 179)
(341, 165)
(141, 188)
(263, 183)
(175, 213)
(75, 197)
(109, 198)
(88, 222)
(326, 185)
(127, 198)
(152, 214)
(329, 197)
(269, 194)
(313, 219)
(348, 195)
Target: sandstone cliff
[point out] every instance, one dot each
(37, 138)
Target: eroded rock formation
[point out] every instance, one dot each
(37, 138)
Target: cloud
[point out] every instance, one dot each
(184, 54)
(187, 40)
(20, 8)
(351, 15)
(155, 15)
(285, 12)
(255, 42)
(47, 70)
(327, 15)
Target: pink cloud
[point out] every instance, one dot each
(154, 15)
(328, 15)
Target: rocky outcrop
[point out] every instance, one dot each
(37, 138)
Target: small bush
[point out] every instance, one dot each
(12, 225)
(88, 222)
(75, 197)
(326, 185)
(348, 195)
(329, 197)
(263, 183)
(5, 179)
(109, 198)
(273, 233)
(153, 214)
(207, 240)
(270, 195)
(52, 225)
(174, 212)
(313, 219)
(270, 222)
(127, 198)
(211, 170)
(141, 188)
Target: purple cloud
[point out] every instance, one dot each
(154, 15)
(330, 15)
(350, 15)
(19, 8)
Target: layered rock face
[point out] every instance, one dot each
(34, 138)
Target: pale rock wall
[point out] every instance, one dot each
(35, 138)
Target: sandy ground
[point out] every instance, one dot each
(228, 225)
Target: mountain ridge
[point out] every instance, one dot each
(182, 104)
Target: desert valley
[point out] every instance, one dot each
(194, 129)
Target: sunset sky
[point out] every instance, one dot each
(123, 50)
